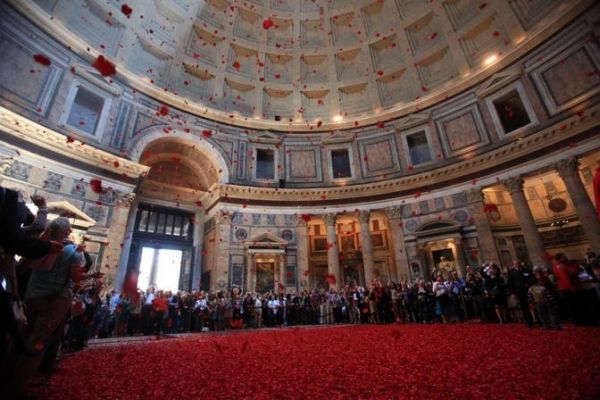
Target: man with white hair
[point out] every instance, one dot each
(48, 300)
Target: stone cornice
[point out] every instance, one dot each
(512, 153)
(139, 83)
(36, 134)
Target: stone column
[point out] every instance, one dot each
(568, 170)
(7, 158)
(460, 255)
(333, 254)
(533, 239)
(250, 272)
(117, 229)
(403, 270)
(198, 229)
(487, 243)
(367, 246)
(222, 237)
(302, 249)
(126, 248)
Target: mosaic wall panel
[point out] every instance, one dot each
(569, 77)
(378, 156)
(462, 131)
(303, 164)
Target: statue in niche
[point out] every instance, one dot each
(445, 268)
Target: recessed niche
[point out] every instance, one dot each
(280, 35)
(486, 38)
(314, 103)
(314, 69)
(461, 12)
(214, 13)
(385, 53)
(309, 6)
(203, 46)
(278, 68)
(277, 102)
(346, 28)
(393, 88)
(352, 98)
(348, 64)
(436, 68)
(313, 34)
(511, 111)
(242, 61)
(380, 17)
(239, 96)
(530, 12)
(247, 25)
(424, 33)
(201, 82)
(283, 5)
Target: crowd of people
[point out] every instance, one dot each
(66, 304)
(537, 297)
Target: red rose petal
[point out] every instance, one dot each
(96, 185)
(104, 66)
(163, 110)
(125, 9)
(42, 59)
(207, 133)
(267, 23)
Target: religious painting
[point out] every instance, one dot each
(348, 244)
(265, 277)
(443, 260)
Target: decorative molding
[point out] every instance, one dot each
(568, 167)
(514, 184)
(364, 216)
(394, 212)
(25, 129)
(330, 219)
(475, 196)
(499, 80)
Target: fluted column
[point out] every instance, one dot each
(198, 232)
(403, 270)
(250, 272)
(333, 255)
(568, 170)
(460, 258)
(221, 267)
(487, 243)
(302, 250)
(533, 239)
(367, 245)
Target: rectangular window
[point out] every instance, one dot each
(143, 221)
(340, 164)
(152, 222)
(265, 164)
(85, 111)
(161, 223)
(177, 226)
(511, 112)
(418, 148)
(169, 225)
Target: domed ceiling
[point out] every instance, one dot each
(298, 65)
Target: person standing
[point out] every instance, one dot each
(48, 301)
(519, 281)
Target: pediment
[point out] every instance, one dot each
(498, 81)
(264, 137)
(91, 75)
(412, 120)
(338, 137)
(266, 240)
(66, 209)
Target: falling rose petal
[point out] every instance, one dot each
(96, 185)
(207, 133)
(236, 65)
(496, 33)
(199, 203)
(482, 6)
(381, 125)
(305, 217)
(380, 73)
(126, 10)
(42, 59)
(163, 110)
(267, 23)
(104, 66)
(70, 139)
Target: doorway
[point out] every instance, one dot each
(265, 277)
(160, 267)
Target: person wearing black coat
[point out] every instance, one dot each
(519, 281)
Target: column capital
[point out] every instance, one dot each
(330, 219)
(514, 184)
(223, 218)
(5, 163)
(298, 221)
(475, 195)
(364, 216)
(567, 167)
(124, 199)
(394, 212)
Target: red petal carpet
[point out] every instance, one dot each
(349, 362)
